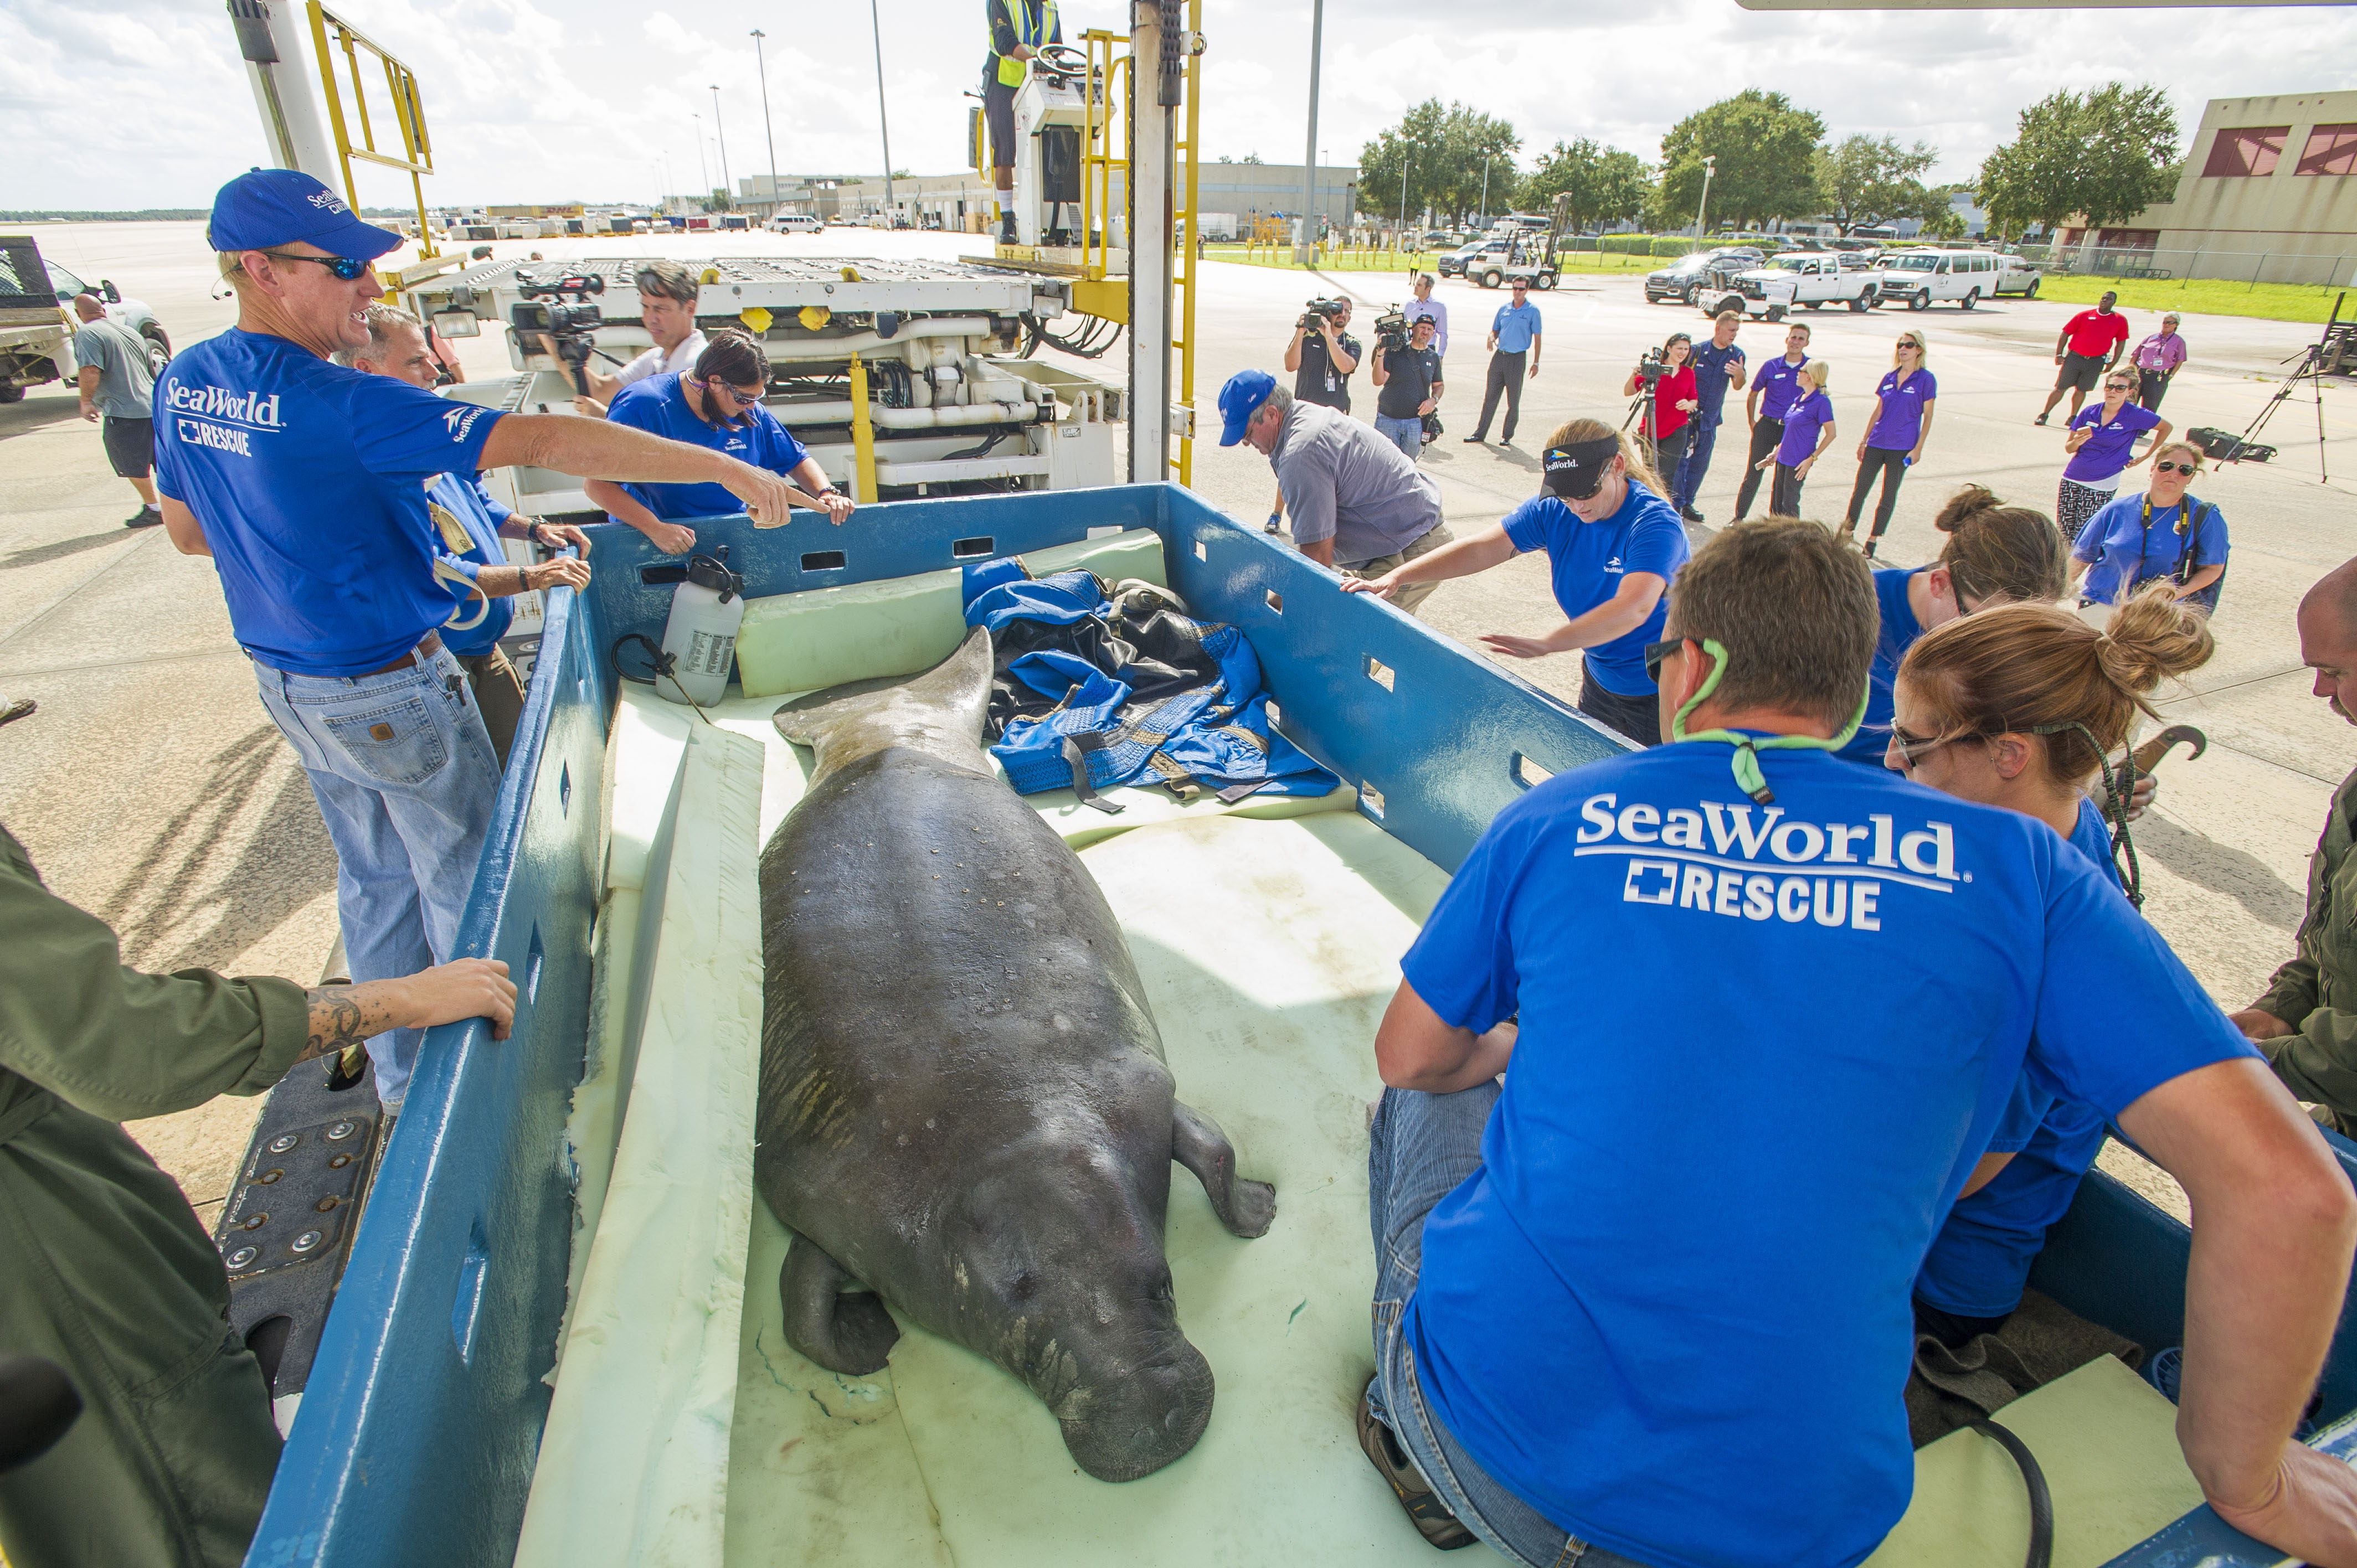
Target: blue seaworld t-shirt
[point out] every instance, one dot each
(659, 404)
(1690, 1380)
(1980, 1262)
(1899, 630)
(1587, 561)
(309, 479)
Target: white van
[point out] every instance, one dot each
(1922, 277)
(795, 223)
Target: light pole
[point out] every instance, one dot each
(1310, 150)
(883, 120)
(1709, 164)
(776, 197)
(704, 165)
(1485, 194)
(728, 194)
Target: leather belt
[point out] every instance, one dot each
(416, 656)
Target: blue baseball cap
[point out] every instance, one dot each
(267, 207)
(1240, 400)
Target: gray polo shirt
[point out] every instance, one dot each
(127, 382)
(1343, 482)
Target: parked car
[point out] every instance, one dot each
(1804, 278)
(37, 323)
(1688, 279)
(1458, 263)
(1965, 278)
(795, 223)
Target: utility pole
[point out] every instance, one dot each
(703, 165)
(1407, 164)
(726, 189)
(1708, 165)
(777, 197)
(1309, 154)
(1486, 158)
(884, 120)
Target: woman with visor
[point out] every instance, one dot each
(2018, 708)
(717, 404)
(2102, 446)
(1613, 545)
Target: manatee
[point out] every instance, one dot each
(966, 1116)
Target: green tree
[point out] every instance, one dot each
(1767, 161)
(1606, 184)
(1438, 152)
(2104, 156)
(1870, 180)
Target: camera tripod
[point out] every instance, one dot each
(2331, 354)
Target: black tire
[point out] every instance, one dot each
(1493, 278)
(1919, 300)
(1857, 307)
(1775, 313)
(1693, 297)
(1972, 298)
(1544, 280)
(159, 348)
(1805, 305)
(11, 394)
(2031, 291)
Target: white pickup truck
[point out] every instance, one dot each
(1812, 279)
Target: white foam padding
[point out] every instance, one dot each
(633, 1464)
(898, 625)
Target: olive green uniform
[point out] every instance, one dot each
(2316, 992)
(103, 1266)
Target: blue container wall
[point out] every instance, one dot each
(417, 1435)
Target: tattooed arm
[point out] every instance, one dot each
(344, 1015)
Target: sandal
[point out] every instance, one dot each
(1431, 1516)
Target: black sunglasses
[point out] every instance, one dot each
(1655, 652)
(345, 267)
(2188, 469)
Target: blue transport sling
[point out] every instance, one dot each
(1094, 689)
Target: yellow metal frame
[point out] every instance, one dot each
(408, 111)
(1184, 231)
(1101, 105)
(862, 436)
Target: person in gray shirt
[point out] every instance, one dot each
(1358, 504)
(117, 384)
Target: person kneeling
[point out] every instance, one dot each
(1649, 1305)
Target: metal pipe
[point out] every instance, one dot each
(1309, 154)
(727, 187)
(777, 197)
(883, 119)
(863, 435)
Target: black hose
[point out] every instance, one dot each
(1091, 343)
(664, 662)
(981, 449)
(2041, 1502)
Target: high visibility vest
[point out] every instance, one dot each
(1030, 30)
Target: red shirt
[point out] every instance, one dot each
(1676, 387)
(2092, 334)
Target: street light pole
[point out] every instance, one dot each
(727, 192)
(1309, 152)
(703, 164)
(884, 121)
(1485, 189)
(1709, 164)
(777, 198)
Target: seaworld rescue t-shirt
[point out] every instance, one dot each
(309, 479)
(1670, 1308)
(1898, 630)
(1587, 561)
(659, 404)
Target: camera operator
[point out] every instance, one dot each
(667, 309)
(1358, 504)
(1322, 355)
(1407, 377)
(1670, 400)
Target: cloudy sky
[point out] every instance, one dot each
(130, 103)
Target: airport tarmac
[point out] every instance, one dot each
(151, 789)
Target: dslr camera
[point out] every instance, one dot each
(1652, 369)
(1321, 311)
(1391, 329)
(559, 312)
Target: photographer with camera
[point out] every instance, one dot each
(667, 310)
(1359, 505)
(1664, 384)
(717, 404)
(1322, 355)
(1407, 374)
(1513, 360)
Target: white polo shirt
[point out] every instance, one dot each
(655, 361)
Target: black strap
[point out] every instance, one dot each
(2041, 1502)
(1077, 748)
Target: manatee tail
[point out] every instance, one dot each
(940, 711)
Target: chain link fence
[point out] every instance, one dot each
(2181, 263)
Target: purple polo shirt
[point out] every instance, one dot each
(1898, 424)
(1779, 386)
(2107, 451)
(1802, 423)
(2163, 351)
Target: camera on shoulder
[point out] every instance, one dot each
(1391, 329)
(1321, 311)
(560, 312)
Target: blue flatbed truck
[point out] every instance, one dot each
(422, 1416)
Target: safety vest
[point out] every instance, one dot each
(1027, 30)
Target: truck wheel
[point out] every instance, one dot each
(1493, 278)
(11, 394)
(1921, 300)
(1862, 304)
(1972, 297)
(1693, 297)
(1775, 313)
(2031, 291)
(1812, 305)
(159, 348)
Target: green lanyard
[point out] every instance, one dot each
(1747, 777)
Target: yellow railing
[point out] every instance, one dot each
(1189, 258)
(1101, 98)
(408, 113)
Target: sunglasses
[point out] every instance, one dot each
(2118, 386)
(1912, 748)
(1655, 652)
(2188, 469)
(345, 267)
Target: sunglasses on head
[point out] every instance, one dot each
(2188, 469)
(345, 267)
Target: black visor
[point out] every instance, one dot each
(1575, 471)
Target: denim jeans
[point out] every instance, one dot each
(1420, 1148)
(1407, 434)
(405, 776)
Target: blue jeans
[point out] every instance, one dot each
(1421, 1148)
(405, 778)
(1407, 434)
(1687, 481)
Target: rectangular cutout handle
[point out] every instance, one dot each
(981, 547)
(1526, 773)
(822, 561)
(1378, 671)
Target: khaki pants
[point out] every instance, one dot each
(499, 694)
(1414, 593)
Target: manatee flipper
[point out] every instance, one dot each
(1245, 1207)
(940, 712)
(844, 1332)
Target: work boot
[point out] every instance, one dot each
(1006, 228)
(146, 517)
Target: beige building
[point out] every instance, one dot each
(2270, 193)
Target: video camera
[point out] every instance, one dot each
(1652, 369)
(559, 312)
(1324, 310)
(1391, 329)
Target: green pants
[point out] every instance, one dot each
(109, 1274)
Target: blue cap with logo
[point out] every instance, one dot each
(1240, 400)
(267, 207)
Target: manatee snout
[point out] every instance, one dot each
(1131, 1420)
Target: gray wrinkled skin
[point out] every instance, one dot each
(963, 1101)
